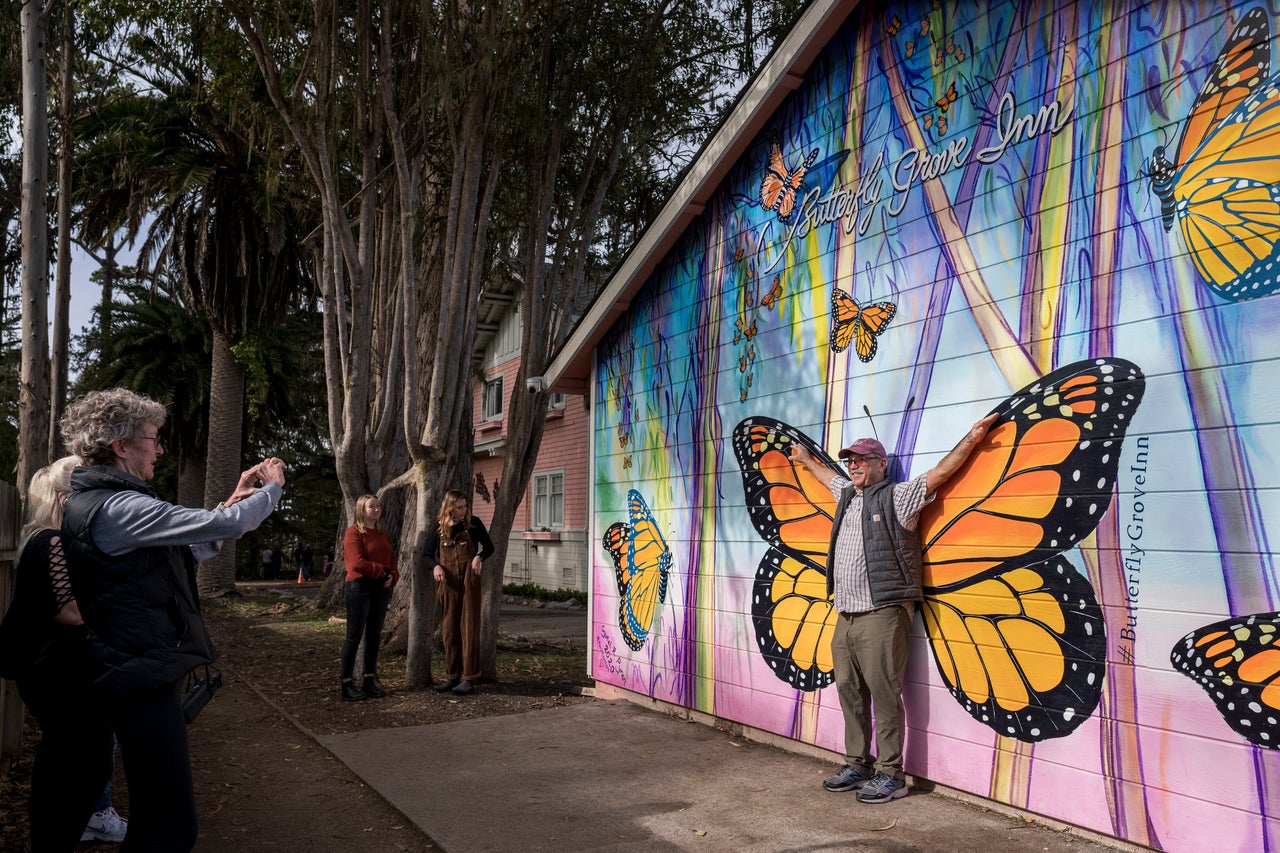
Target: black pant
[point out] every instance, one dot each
(367, 602)
(157, 765)
(73, 763)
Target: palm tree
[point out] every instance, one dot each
(189, 163)
(156, 345)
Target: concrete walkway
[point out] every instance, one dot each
(613, 776)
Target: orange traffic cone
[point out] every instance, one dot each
(299, 575)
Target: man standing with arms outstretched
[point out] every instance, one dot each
(873, 574)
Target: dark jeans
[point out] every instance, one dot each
(157, 766)
(73, 763)
(367, 602)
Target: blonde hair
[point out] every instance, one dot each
(445, 518)
(362, 522)
(44, 510)
(93, 421)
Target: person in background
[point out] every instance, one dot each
(304, 557)
(132, 558)
(73, 761)
(455, 551)
(371, 574)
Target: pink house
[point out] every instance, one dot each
(548, 543)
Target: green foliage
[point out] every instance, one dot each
(538, 593)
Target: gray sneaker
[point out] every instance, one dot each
(881, 789)
(846, 779)
(105, 825)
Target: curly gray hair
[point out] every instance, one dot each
(98, 418)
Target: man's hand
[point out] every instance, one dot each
(824, 474)
(940, 473)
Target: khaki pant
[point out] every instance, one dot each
(459, 598)
(870, 652)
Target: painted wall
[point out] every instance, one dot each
(1067, 214)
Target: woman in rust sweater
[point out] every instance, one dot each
(371, 573)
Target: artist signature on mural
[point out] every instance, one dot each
(853, 207)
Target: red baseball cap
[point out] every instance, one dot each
(864, 447)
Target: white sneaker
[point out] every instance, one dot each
(105, 825)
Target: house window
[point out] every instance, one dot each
(491, 406)
(548, 501)
(555, 401)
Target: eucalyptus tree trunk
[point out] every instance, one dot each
(33, 389)
(217, 575)
(62, 303)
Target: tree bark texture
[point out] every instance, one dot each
(217, 575)
(62, 303)
(33, 390)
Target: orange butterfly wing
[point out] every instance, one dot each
(844, 319)
(1017, 632)
(1242, 65)
(792, 511)
(1237, 662)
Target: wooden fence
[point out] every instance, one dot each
(11, 710)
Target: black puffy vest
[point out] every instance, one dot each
(894, 563)
(141, 608)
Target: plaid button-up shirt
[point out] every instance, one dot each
(849, 560)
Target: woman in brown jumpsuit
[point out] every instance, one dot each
(456, 551)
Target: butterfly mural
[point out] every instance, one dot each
(1237, 662)
(770, 299)
(642, 563)
(948, 98)
(783, 186)
(1016, 631)
(1223, 186)
(859, 325)
(780, 184)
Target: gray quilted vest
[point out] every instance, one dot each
(894, 563)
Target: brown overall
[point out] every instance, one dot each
(459, 598)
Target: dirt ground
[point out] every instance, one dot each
(261, 781)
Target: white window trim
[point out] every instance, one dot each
(485, 415)
(534, 522)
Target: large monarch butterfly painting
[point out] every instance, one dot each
(1223, 186)
(1016, 631)
(1237, 662)
(641, 563)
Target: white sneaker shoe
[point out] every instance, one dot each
(105, 825)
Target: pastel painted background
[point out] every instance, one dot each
(1065, 213)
